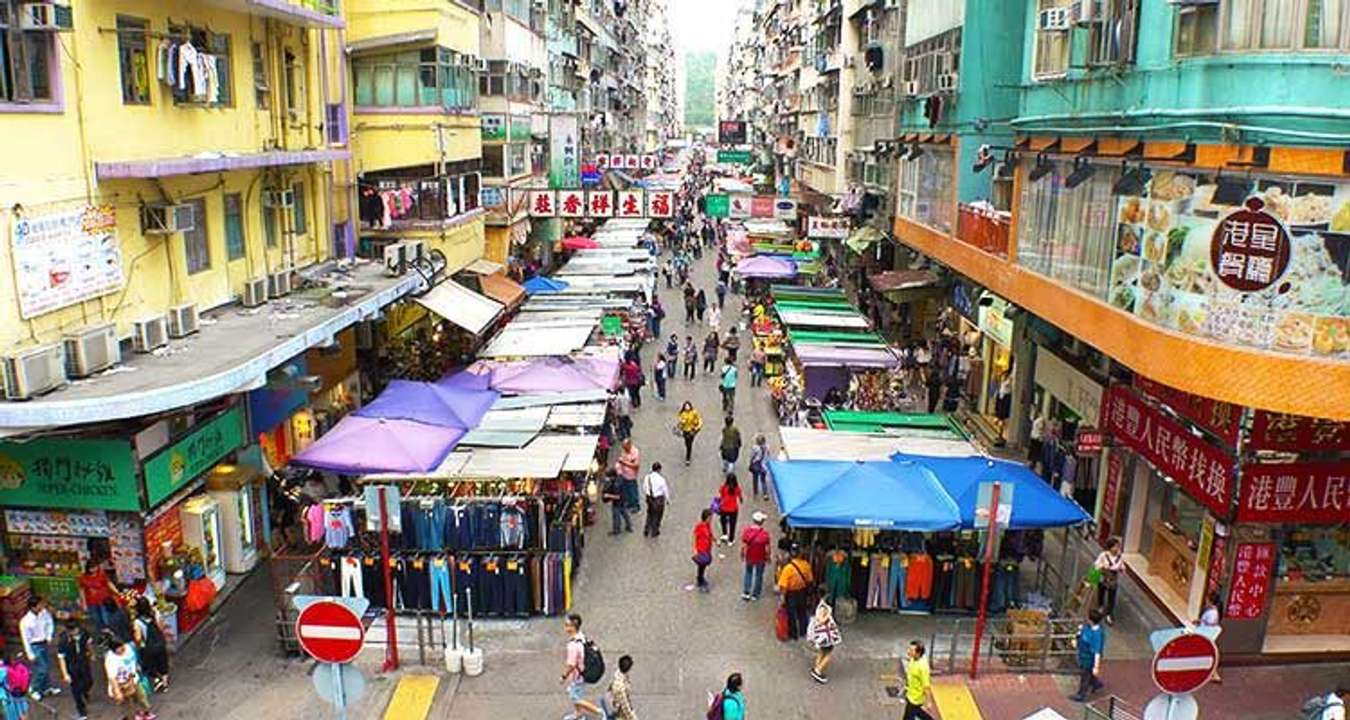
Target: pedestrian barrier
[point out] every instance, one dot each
(1111, 708)
(1023, 641)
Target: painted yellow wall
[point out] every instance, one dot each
(386, 141)
(49, 160)
(497, 242)
(456, 27)
(462, 242)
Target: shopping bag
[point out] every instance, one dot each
(781, 624)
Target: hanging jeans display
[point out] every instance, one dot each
(441, 600)
(350, 574)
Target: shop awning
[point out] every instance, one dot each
(461, 306)
(381, 42)
(801, 443)
(1035, 504)
(826, 337)
(823, 319)
(863, 238)
(557, 374)
(541, 285)
(483, 266)
(813, 354)
(765, 266)
(857, 494)
(538, 341)
(503, 289)
(932, 425)
(893, 280)
(362, 445)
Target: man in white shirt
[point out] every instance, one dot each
(37, 629)
(657, 491)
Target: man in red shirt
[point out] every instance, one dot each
(755, 552)
(95, 587)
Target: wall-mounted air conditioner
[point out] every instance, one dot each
(414, 250)
(395, 259)
(34, 371)
(165, 219)
(183, 320)
(911, 88)
(947, 82)
(255, 292)
(92, 349)
(46, 16)
(149, 334)
(279, 283)
(1054, 19)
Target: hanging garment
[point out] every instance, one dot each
(441, 599)
(517, 581)
(838, 578)
(919, 583)
(895, 582)
(458, 528)
(413, 588)
(466, 575)
(876, 582)
(512, 524)
(372, 580)
(186, 67)
(351, 577)
(314, 523)
(328, 580)
(337, 527)
(966, 584)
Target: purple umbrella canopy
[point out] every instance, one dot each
(441, 404)
(362, 445)
(766, 266)
(467, 379)
(557, 374)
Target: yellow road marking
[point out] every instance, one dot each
(412, 698)
(955, 702)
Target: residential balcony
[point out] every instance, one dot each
(984, 228)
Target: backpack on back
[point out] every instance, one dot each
(715, 707)
(17, 677)
(592, 663)
(1317, 706)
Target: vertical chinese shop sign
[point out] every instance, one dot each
(1115, 468)
(1252, 568)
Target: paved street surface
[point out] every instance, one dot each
(632, 593)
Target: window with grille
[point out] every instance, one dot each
(196, 244)
(133, 60)
(26, 59)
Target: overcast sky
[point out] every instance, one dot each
(702, 25)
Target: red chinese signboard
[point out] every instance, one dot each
(600, 203)
(1203, 470)
(1089, 442)
(1276, 431)
(1221, 418)
(1313, 493)
(1252, 568)
(1115, 468)
(1250, 248)
(542, 203)
(1218, 560)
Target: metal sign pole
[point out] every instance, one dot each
(339, 693)
(984, 589)
(391, 631)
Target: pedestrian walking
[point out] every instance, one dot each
(657, 491)
(628, 465)
(124, 681)
(1109, 564)
(75, 658)
(631, 373)
(758, 360)
(728, 385)
(37, 630)
(151, 648)
(574, 664)
(759, 472)
(918, 682)
(729, 507)
(795, 581)
(721, 293)
(1210, 617)
(655, 315)
(823, 633)
(620, 703)
(934, 385)
(715, 317)
(755, 553)
(703, 542)
(15, 678)
(690, 303)
(732, 344)
(710, 345)
(665, 271)
(659, 375)
(672, 356)
(612, 493)
(730, 445)
(1091, 645)
(731, 700)
(623, 414)
(689, 423)
(701, 304)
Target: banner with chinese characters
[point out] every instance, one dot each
(1306, 493)
(577, 203)
(1270, 270)
(1221, 418)
(827, 228)
(1252, 568)
(564, 162)
(188, 457)
(1277, 431)
(1115, 471)
(64, 258)
(626, 161)
(69, 473)
(1203, 470)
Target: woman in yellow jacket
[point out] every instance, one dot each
(689, 423)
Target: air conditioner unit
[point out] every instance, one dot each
(1054, 19)
(849, 61)
(255, 292)
(34, 371)
(91, 350)
(164, 219)
(279, 199)
(279, 283)
(183, 320)
(947, 82)
(911, 88)
(395, 259)
(414, 250)
(481, 65)
(149, 334)
(45, 16)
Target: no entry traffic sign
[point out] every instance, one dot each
(1185, 663)
(330, 632)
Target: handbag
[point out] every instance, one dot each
(1094, 577)
(780, 625)
(702, 559)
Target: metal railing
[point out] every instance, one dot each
(1111, 708)
(1024, 641)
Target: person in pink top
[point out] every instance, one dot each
(628, 465)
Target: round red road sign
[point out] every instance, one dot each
(1184, 664)
(330, 632)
